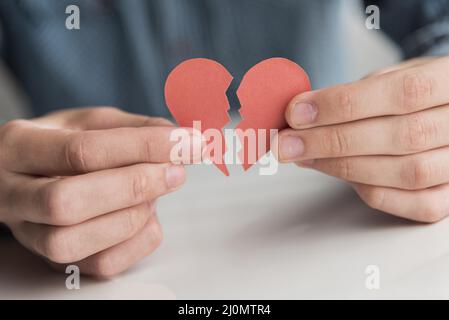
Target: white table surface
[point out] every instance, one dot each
(297, 234)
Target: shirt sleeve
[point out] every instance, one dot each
(419, 27)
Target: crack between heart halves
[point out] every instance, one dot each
(234, 104)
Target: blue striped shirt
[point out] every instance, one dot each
(125, 48)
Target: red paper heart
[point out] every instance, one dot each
(264, 93)
(196, 91)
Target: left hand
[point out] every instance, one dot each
(387, 134)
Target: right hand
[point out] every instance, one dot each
(79, 186)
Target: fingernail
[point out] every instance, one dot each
(290, 148)
(175, 176)
(304, 113)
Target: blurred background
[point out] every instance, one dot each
(310, 237)
(363, 51)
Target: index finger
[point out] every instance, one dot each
(394, 93)
(27, 148)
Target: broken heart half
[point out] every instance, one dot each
(196, 91)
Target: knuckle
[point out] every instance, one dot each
(416, 89)
(54, 203)
(153, 236)
(103, 266)
(76, 155)
(157, 235)
(149, 148)
(416, 133)
(345, 102)
(335, 142)
(79, 153)
(344, 168)
(417, 173)
(134, 220)
(56, 247)
(142, 184)
(375, 198)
